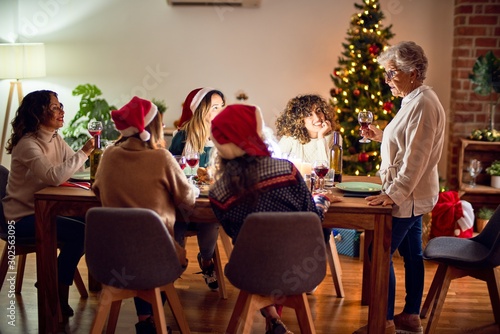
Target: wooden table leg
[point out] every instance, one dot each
(367, 264)
(377, 312)
(46, 259)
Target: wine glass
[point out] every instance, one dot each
(365, 118)
(192, 159)
(474, 169)
(95, 128)
(321, 168)
(181, 160)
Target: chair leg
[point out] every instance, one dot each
(226, 242)
(21, 264)
(493, 282)
(4, 265)
(237, 311)
(154, 298)
(437, 281)
(438, 302)
(303, 313)
(252, 305)
(335, 268)
(113, 316)
(176, 307)
(220, 273)
(103, 308)
(80, 285)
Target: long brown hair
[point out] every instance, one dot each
(33, 112)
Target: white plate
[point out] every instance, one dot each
(81, 176)
(359, 187)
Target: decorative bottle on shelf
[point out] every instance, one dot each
(95, 157)
(336, 156)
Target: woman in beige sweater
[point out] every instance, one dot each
(138, 172)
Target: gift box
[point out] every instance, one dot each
(347, 241)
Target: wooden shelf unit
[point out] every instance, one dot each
(486, 152)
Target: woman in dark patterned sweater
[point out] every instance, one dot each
(249, 180)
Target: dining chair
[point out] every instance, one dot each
(22, 247)
(277, 258)
(478, 257)
(130, 252)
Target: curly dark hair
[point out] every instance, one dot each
(291, 121)
(33, 111)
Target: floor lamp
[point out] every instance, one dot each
(19, 61)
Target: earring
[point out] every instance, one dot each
(412, 81)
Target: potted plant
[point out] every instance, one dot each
(160, 104)
(494, 171)
(485, 77)
(483, 216)
(91, 108)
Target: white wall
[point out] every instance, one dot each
(150, 49)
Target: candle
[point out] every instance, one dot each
(306, 168)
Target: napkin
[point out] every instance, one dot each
(84, 185)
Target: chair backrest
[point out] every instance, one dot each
(490, 238)
(130, 248)
(278, 253)
(4, 176)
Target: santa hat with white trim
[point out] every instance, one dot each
(133, 117)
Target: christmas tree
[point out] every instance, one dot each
(360, 85)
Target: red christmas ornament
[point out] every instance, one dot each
(374, 49)
(356, 92)
(388, 106)
(363, 157)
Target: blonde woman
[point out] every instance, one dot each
(199, 108)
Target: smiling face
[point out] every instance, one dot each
(314, 122)
(55, 115)
(401, 83)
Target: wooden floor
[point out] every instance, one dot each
(467, 308)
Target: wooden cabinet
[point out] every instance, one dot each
(482, 194)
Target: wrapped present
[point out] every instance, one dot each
(347, 241)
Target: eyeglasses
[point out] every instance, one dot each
(389, 75)
(56, 108)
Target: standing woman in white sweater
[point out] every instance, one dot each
(41, 158)
(305, 129)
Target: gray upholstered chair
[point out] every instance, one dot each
(130, 252)
(23, 247)
(478, 257)
(277, 258)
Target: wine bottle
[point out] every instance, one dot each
(336, 156)
(95, 157)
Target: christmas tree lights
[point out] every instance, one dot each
(359, 85)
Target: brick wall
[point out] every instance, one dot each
(476, 31)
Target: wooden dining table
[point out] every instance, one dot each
(351, 212)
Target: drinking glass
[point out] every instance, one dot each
(321, 168)
(192, 159)
(474, 169)
(365, 118)
(95, 128)
(181, 160)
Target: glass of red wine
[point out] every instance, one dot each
(192, 159)
(321, 168)
(365, 118)
(181, 160)
(95, 128)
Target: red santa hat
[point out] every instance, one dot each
(133, 117)
(237, 130)
(192, 103)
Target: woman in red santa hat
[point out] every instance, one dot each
(137, 171)
(199, 108)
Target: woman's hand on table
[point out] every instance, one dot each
(381, 199)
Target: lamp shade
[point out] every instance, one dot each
(22, 60)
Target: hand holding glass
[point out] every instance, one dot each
(365, 118)
(474, 169)
(321, 168)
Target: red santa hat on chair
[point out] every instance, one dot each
(133, 117)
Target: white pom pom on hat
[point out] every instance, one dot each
(133, 117)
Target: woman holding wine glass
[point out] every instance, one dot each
(41, 158)
(193, 141)
(365, 118)
(411, 146)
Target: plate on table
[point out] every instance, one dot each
(359, 187)
(80, 176)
